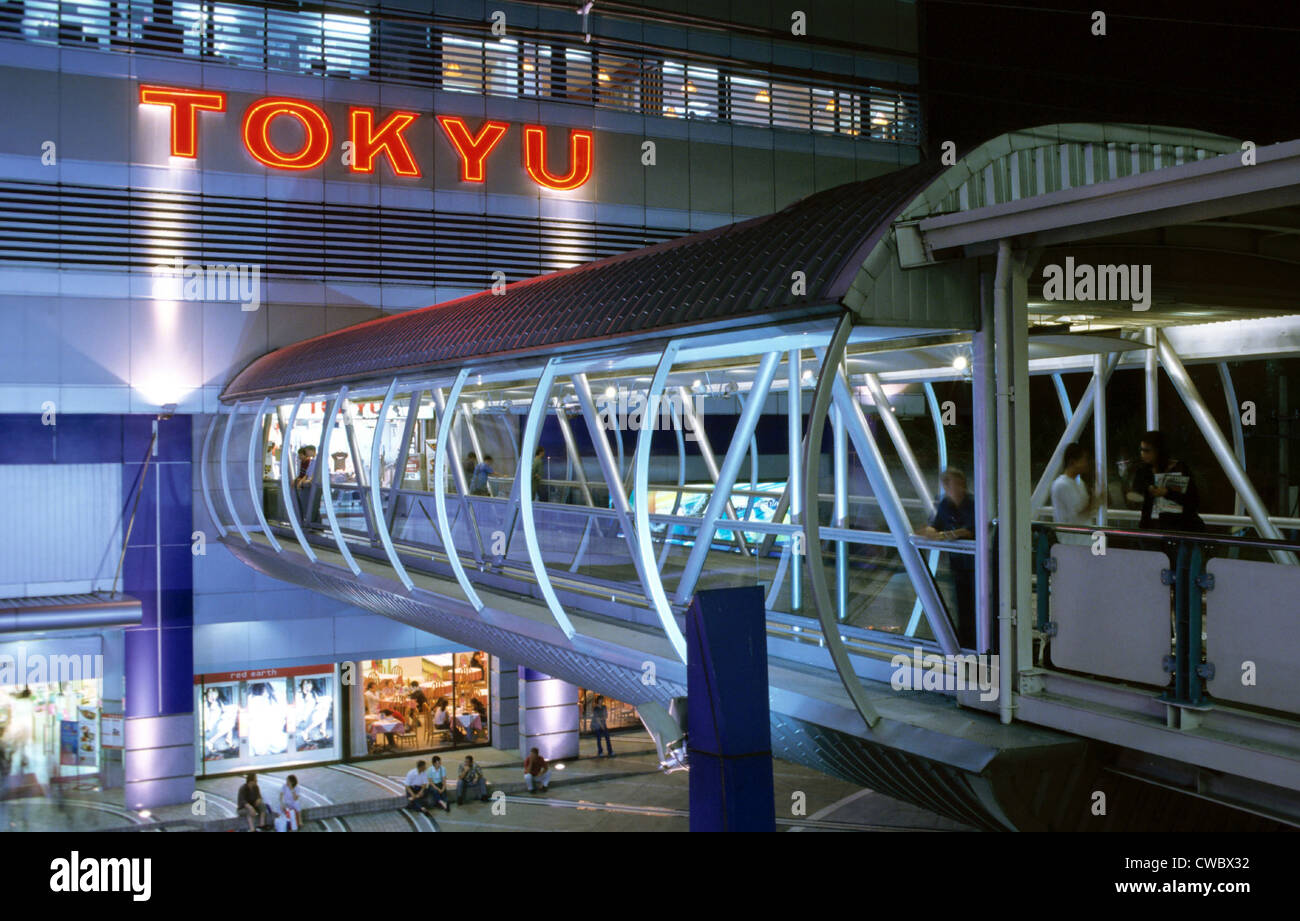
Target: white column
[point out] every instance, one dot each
(548, 715)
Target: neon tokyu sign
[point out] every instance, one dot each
(371, 140)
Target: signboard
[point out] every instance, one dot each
(368, 139)
(112, 732)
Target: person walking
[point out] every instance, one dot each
(539, 460)
(479, 485)
(1072, 504)
(469, 466)
(600, 726)
(536, 770)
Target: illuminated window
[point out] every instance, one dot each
(751, 101)
(618, 82)
(462, 65)
(534, 70)
(791, 106)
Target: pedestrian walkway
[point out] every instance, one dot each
(625, 793)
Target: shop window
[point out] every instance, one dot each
(267, 718)
(50, 732)
(618, 715)
(423, 703)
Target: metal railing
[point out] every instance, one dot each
(1189, 554)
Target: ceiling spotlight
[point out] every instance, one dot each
(807, 376)
(479, 404)
(960, 363)
(697, 384)
(610, 392)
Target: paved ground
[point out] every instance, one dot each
(624, 793)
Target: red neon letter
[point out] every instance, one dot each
(473, 150)
(368, 143)
(257, 123)
(579, 159)
(184, 115)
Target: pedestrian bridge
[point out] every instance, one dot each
(807, 375)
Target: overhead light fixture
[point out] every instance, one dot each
(479, 404)
(807, 376)
(961, 363)
(610, 392)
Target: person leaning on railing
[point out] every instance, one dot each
(954, 519)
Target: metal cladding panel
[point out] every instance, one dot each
(732, 273)
(1251, 617)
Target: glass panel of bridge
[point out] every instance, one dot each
(212, 464)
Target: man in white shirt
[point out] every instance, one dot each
(1071, 502)
(417, 788)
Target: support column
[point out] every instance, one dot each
(984, 476)
(503, 689)
(840, 511)
(158, 655)
(1151, 378)
(1015, 556)
(1099, 431)
(548, 715)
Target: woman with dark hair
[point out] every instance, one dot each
(1169, 496)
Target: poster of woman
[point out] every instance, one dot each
(314, 711)
(220, 723)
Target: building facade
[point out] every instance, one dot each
(187, 186)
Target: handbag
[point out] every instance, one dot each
(282, 823)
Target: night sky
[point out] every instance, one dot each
(990, 66)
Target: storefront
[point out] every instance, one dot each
(51, 729)
(421, 703)
(618, 714)
(267, 718)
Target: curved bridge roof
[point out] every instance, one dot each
(733, 274)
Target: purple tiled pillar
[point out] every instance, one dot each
(159, 654)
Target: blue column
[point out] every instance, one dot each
(159, 654)
(729, 739)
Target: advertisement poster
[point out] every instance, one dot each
(112, 732)
(67, 741)
(87, 735)
(267, 712)
(220, 722)
(314, 709)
